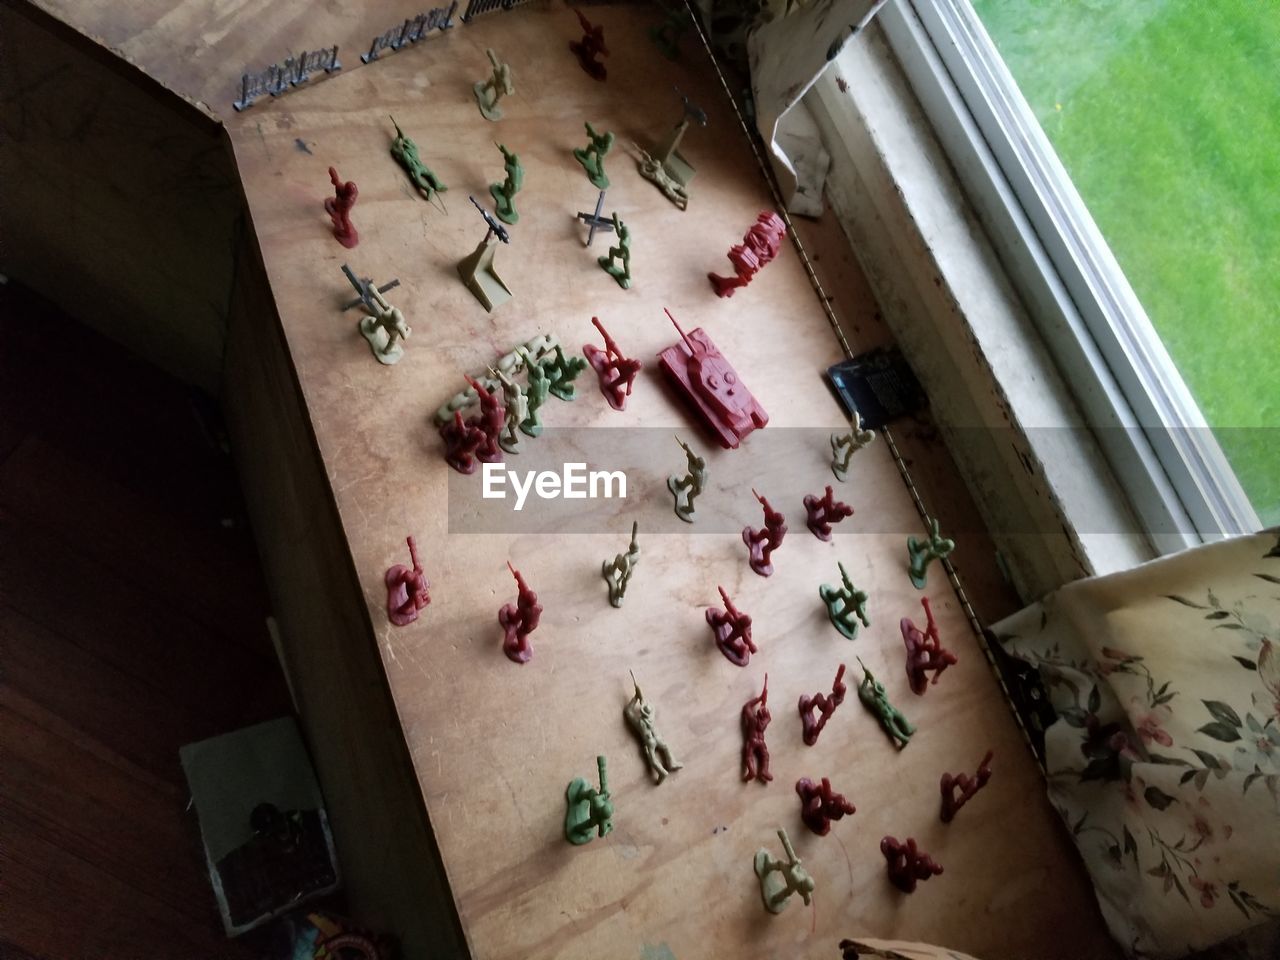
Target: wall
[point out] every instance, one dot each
(118, 200)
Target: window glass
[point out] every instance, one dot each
(1166, 114)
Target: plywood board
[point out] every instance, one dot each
(493, 744)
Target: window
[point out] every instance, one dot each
(1149, 106)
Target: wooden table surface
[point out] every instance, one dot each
(493, 743)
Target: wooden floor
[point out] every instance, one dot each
(131, 623)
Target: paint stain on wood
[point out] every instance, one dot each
(659, 951)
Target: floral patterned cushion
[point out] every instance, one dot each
(1164, 762)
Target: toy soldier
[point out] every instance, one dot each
(535, 395)
(779, 879)
(825, 705)
(516, 410)
(589, 809)
(592, 158)
(405, 152)
(519, 619)
(823, 512)
(461, 441)
(489, 92)
(686, 488)
(504, 194)
(616, 372)
(758, 248)
(924, 651)
(846, 605)
(384, 328)
(907, 864)
(767, 539)
(819, 805)
(491, 419)
(640, 716)
(967, 785)
(666, 36)
(651, 169)
(732, 630)
(843, 446)
(589, 47)
(755, 752)
(338, 207)
(407, 589)
(621, 252)
(872, 694)
(618, 573)
(562, 371)
(921, 553)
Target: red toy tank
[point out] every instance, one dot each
(707, 380)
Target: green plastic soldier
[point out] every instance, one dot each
(498, 85)
(621, 252)
(617, 573)
(845, 445)
(846, 605)
(405, 153)
(535, 395)
(779, 879)
(592, 156)
(640, 715)
(920, 553)
(504, 194)
(517, 409)
(685, 488)
(590, 810)
(872, 694)
(562, 371)
(666, 36)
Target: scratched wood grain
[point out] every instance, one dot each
(494, 744)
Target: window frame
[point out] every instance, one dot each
(1151, 430)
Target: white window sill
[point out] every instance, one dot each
(1047, 493)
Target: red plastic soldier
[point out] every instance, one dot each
(407, 589)
(589, 47)
(907, 864)
(767, 539)
(616, 372)
(758, 247)
(519, 619)
(338, 207)
(755, 752)
(732, 629)
(968, 787)
(491, 419)
(825, 705)
(824, 512)
(819, 805)
(924, 651)
(461, 440)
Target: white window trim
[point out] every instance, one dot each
(1153, 434)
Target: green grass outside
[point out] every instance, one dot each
(1166, 113)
